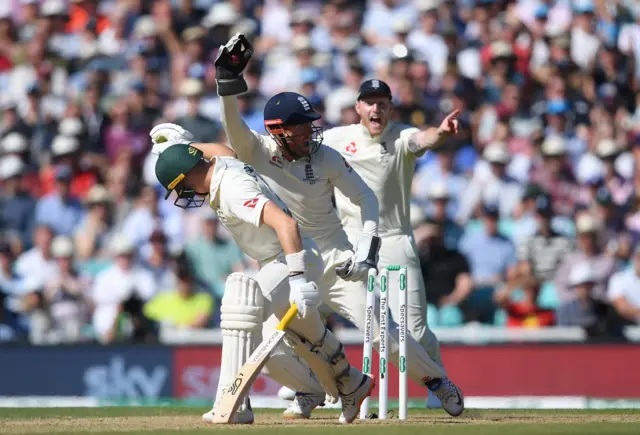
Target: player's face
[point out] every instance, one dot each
(299, 139)
(374, 112)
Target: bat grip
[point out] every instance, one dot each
(293, 310)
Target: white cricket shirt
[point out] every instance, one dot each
(238, 195)
(305, 185)
(386, 164)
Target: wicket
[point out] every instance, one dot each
(383, 382)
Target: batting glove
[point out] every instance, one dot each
(165, 135)
(305, 295)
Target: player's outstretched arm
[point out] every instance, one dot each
(166, 135)
(231, 61)
(433, 137)
(304, 294)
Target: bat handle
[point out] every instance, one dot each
(293, 310)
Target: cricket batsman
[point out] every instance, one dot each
(304, 173)
(384, 154)
(262, 226)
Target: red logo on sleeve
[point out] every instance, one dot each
(251, 203)
(352, 148)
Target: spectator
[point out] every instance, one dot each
(60, 210)
(624, 290)
(204, 129)
(584, 42)
(213, 258)
(184, 307)
(438, 211)
(157, 260)
(445, 270)
(95, 231)
(37, 263)
(64, 312)
(540, 256)
(491, 185)
(589, 250)
(427, 39)
(12, 324)
(555, 176)
(525, 313)
(118, 294)
(584, 309)
(440, 168)
(490, 256)
(16, 205)
(145, 218)
(65, 153)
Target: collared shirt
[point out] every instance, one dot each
(17, 214)
(544, 253)
(214, 261)
(114, 286)
(433, 173)
(62, 216)
(440, 269)
(625, 283)
(488, 255)
(486, 187)
(602, 267)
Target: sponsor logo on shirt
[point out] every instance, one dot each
(309, 175)
(352, 148)
(251, 203)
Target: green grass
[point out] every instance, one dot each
(186, 421)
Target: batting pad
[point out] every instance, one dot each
(241, 324)
(287, 369)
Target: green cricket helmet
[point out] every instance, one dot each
(172, 166)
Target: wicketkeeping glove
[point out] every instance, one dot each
(165, 135)
(231, 61)
(366, 257)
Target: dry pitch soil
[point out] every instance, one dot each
(186, 421)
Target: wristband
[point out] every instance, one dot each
(295, 263)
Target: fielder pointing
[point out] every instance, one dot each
(304, 173)
(384, 154)
(263, 228)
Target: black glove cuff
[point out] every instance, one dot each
(374, 248)
(231, 86)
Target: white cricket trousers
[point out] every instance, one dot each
(396, 249)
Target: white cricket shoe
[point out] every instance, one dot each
(302, 405)
(286, 393)
(244, 415)
(450, 396)
(351, 402)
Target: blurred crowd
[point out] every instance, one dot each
(529, 218)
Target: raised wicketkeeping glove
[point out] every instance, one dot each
(305, 294)
(366, 257)
(231, 61)
(165, 135)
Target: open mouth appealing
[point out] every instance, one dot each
(375, 121)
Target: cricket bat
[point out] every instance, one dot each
(231, 399)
